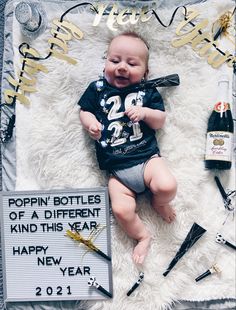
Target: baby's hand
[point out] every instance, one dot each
(95, 130)
(135, 113)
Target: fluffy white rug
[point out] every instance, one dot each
(53, 151)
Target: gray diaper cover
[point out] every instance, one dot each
(132, 177)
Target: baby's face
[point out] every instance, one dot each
(126, 62)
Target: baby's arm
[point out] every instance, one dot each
(155, 119)
(91, 124)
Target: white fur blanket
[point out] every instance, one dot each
(53, 151)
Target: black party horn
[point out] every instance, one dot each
(136, 284)
(221, 240)
(213, 269)
(192, 237)
(92, 282)
(164, 81)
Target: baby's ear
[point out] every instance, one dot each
(146, 74)
(104, 55)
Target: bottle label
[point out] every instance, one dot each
(221, 106)
(219, 145)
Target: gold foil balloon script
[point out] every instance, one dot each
(60, 39)
(24, 84)
(121, 17)
(202, 42)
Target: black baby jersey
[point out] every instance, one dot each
(123, 144)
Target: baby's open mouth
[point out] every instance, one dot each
(122, 78)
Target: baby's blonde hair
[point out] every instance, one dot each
(133, 34)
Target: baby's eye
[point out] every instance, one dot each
(114, 61)
(132, 64)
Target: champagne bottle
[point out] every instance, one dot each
(220, 130)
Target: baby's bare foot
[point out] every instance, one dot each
(167, 213)
(141, 249)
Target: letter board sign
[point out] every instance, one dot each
(53, 242)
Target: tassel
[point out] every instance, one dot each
(223, 24)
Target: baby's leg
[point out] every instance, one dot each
(123, 207)
(163, 186)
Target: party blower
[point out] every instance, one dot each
(192, 237)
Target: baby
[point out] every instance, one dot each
(123, 120)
